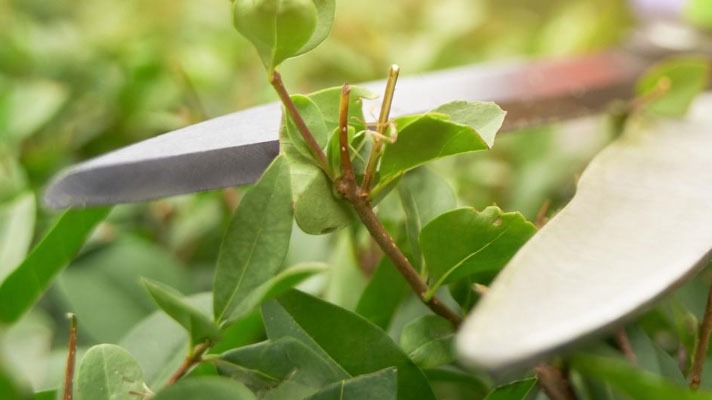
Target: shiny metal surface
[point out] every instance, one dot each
(234, 149)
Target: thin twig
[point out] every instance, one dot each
(381, 129)
(189, 362)
(349, 189)
(698, 359)
(71, 358)
(624, 345)
(541, 218)
(276, 81)
(554, 382)
(347, 168)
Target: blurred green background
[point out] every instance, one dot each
(78, 79)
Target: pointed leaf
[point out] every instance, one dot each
(256, 241)
(486, 242)
(484, 117)
(277, 285)
(198, 325)
(358, 346)
(279, 365)
(27, 283)
(381, 385)
(429, 341)
(518, 390)
(17, 223)
(634, 382)
(649, 356)
(455, 129)
(108, 372)
(205, 387)
(673, 84)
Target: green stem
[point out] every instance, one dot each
(381, 128)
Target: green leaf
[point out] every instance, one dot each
(451, 382)
(314, 120)
(518, 390)
(328, 102)
(198, 325)
(318, 210)
(279, 29)
(429, 341)
(205, 387)
(384, 293)
(484, 117)
(278, 367)
(633, 382)
(344, 337)
(379, 385)
(27, 283)
(9, 389)
(699, 12)
(17, 222)
(159, 344)
(424, 195)
(107, 278)
(458, 128)
(346, 279)
(325, 19)
(649, 356)
(108, 372)
(27, 106)
(673, 84)
(256, 241)
(277, 285)
(486, 241)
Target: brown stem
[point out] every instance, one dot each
(381, 128)
(276, 81)
(71, 358)
(703, 338)
(624, 345)
(347, 168)
(349, 189)
(189, 362)
(554, 382)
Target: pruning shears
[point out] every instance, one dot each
(529, 312)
